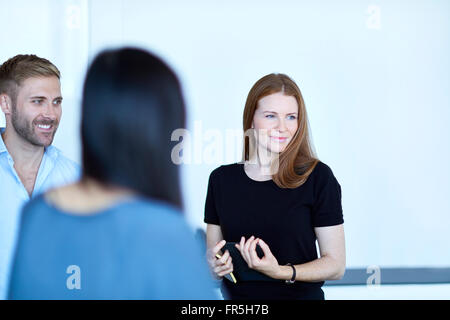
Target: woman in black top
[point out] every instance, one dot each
(281, 198)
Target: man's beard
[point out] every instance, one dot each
(26, 129)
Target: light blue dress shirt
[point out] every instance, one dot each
(55, 170)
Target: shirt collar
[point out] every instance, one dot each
(2, 143)
(49, 151)
(52, 152)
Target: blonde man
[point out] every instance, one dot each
(30, 98)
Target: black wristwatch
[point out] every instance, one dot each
(294, 274)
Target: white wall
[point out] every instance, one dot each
(374, 75)
(58, 31)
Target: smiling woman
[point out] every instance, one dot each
(276, 111)
(280, 199)
(280, 97)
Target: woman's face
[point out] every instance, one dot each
(276, 121)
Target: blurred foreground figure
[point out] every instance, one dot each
(119, 232)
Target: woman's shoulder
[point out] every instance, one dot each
(226, 170)
(139, 209)
(323, 175)
(151, 210)
(322, 169)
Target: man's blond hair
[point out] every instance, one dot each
(21, 67)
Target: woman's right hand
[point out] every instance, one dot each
(219, 266)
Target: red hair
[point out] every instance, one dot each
(298, 160)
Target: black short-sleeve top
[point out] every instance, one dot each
(284, 218)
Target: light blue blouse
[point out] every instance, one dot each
(137, 249)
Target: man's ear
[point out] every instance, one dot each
(5, 103)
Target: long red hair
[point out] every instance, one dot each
(298, 160)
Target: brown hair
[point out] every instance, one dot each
(21, 67)
(298, 160)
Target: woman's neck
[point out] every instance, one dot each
(263, 162)
(262, 165)
(87, 196)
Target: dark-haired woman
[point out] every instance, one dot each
(281, 198)
(119, 232)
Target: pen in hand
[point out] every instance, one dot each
(233, 278)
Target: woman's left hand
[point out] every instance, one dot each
(267, 264)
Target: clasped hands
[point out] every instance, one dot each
(267, 265)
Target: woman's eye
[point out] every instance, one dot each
(292, 117)
(269, 116)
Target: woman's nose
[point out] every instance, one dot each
(281, 125)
